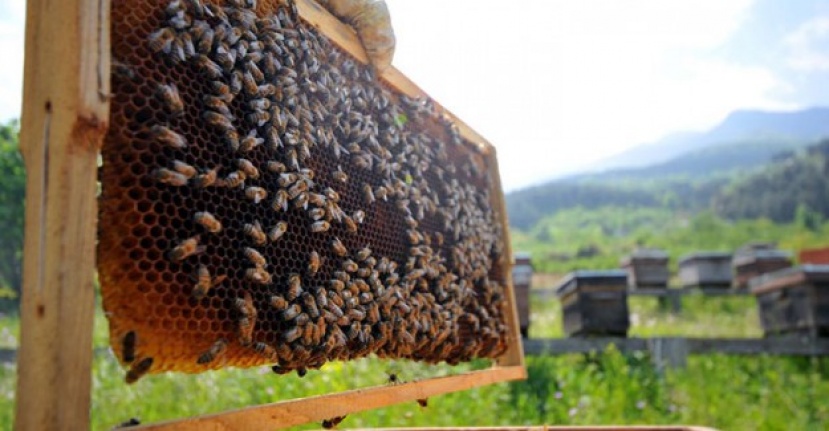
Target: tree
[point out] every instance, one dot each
(12, 197)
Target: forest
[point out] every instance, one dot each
(593, 221)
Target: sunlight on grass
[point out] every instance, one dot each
(725, 392)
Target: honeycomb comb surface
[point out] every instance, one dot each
(196, 272)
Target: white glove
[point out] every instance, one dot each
(371, 20)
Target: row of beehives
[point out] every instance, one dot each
(791, 300)
(648, 268)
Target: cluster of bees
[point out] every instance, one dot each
(323, 215)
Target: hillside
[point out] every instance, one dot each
(708, 164)
(744, 125)
(797, 186)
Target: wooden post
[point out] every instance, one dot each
(65, 114)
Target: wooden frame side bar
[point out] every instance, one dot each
(297, 412)
(64, 120)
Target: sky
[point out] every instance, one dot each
(556, 85)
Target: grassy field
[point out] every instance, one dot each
(726, 392)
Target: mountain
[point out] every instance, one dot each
(725, 158)
(691, 168)
(742, 125)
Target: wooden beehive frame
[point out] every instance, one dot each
(64, 120)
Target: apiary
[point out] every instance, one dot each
(750, 262)
(794, 300)
(814, 256)
(594, 303)
(522, 274)
(647, 268)
(705, 270)
(267, 199)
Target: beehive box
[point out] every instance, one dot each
(522, 275)
(267, 200)
(818, 256)
(705, 270)
(794, 301)
(750, 263)
(594, 303)
(647, 269)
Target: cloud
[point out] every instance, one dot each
(808, 45)
(12, 23)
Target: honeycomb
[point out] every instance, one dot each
(266, 199)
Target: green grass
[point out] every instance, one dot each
(726, 392)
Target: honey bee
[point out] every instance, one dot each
(350, 225)
(208, 178)
(249, 84)
(316, 213)
(186, 248)
(208, 221)
(248, 168)
(254, 231)
(222, 90)
(256, 194)
(161, 40)
(339, 175)
(364, 253)
(310, 305)
(138, 370)
(255, 257)
(277, 167)
(337, 285)
(129, 423)
(292, 334)
(294, 287)
(279, 302)
(415, 237)
(208, 66)
(167, 176)
(259, 104)
(251, 141)
(292, 159)
(258, 275)
(314, 263)
(296, 189)
(232, 139)
(339, 247)
(218, 120)
(168, 137)
(236, 82)
(287, 179)
(184, 169)
(234, 179)
(359, 216)
(247, 318)
(205, 282)
(170, 96)
(217, 349)
(349, 265)
(320, 226)
(277, 231)
(128, 346)
(381, 192)
(217, 104)
(291, 312)
(266, 350)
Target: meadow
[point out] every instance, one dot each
(725, 392)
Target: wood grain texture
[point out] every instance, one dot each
(64, 119)
(296, 412)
